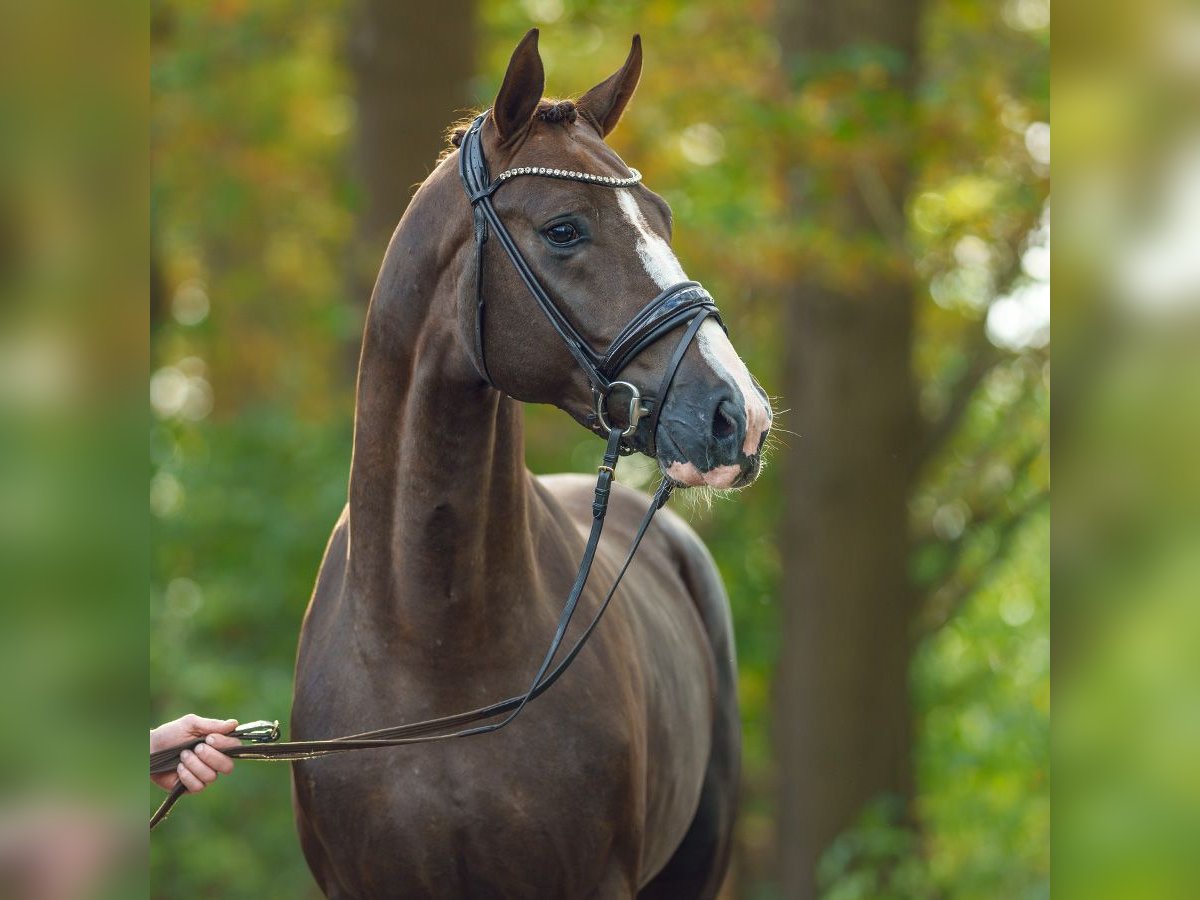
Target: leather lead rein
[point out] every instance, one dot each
(686, 302)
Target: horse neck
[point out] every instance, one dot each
(440, 500)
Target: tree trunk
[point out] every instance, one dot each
(412, 66)
(843, 717)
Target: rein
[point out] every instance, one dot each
(683, 302)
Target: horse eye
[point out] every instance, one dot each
(562, 233)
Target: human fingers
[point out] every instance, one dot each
(197, 767)
(222, 741)
(177, 731)
(214, 759)
(198, 725)
(190, 781)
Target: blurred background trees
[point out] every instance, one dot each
(846, 601)
(864, 187)
(411, 62)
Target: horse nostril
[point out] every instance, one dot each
(723, 424)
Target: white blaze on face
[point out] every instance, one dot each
(661, 265)
(718, 352)
(655, 253)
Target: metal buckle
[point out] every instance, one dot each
(259, 732)
(636, 410)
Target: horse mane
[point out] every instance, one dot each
(552, 111)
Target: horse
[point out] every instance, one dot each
(445, 572)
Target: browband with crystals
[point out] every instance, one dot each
(568, 175)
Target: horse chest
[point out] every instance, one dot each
(550, 804)
(469, 822)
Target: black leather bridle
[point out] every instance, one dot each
(686, 303)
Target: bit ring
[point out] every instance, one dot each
(636, 410)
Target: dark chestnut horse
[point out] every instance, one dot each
(445, 575)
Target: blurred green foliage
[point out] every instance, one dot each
(235, 560)
(253, 206)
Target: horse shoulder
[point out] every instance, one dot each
(675, 592)
(698, 865)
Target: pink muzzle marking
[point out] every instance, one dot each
(720, 477)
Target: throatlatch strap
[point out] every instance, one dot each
(480, 240)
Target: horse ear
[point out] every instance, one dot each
(522, 88)
(604, 103)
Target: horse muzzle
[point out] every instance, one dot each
(704, 439)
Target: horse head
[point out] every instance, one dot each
(600, 247)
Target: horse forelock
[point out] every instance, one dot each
(548, 110)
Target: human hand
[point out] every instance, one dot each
(199, 768)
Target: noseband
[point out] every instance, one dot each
(684, 303)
